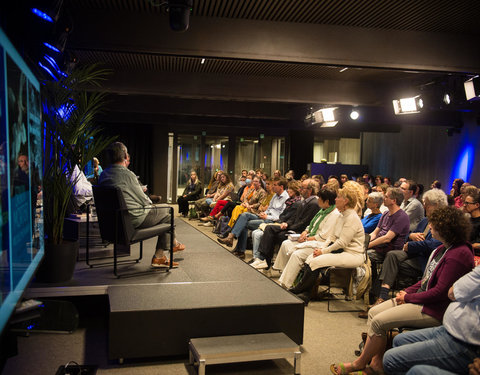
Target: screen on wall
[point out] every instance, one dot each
(21, 150)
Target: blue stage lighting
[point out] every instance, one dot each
(42, 15)
(464, 165)
(53, 48)
(65, 111)
(47, 70)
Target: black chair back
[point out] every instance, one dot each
(113, 215)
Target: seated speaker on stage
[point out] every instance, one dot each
(119, 176)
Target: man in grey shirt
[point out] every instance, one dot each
(411, 205)
(118, 175)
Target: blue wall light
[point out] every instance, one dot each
(53, 48)
(42, 15)
(464, 165)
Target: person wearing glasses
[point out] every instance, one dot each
(471, 205)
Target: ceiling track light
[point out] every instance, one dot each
(325, 117)
(354, 115)
(472, 88)
(408, 105)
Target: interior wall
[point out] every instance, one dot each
(425, 153)
(301, 151)
(159, 155)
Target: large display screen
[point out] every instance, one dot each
(21, 155)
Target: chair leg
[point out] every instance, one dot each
(141, 252)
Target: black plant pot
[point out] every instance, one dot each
(58, 263)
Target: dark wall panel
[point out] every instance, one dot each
(301, 151)
(425, 153)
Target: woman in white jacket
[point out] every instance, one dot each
(346, 251)
(321, 230)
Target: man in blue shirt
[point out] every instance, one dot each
(252, 221)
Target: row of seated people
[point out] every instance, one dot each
(425, 305)
(439, 268)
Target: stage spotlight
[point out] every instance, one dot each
(179, 14)
(325, 117)
(472, 88)
(407, 105)
(354, 115)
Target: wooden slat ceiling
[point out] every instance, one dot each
(181, 64)
(458, 16)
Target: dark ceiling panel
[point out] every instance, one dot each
(460, 16)
(130, 61)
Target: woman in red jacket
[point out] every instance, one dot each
(422, 305)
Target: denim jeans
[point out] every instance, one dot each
(245, 222)
(428, 370)
(257, 235)
(429, 346)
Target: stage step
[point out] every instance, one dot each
(159, 320)
(243, 348)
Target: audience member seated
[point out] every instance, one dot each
(436, 185)
(372, 217)
(411, 205)
(82, 192)
(346, 251)
(413, 258)
(222, 196)
(210, 193)
(448, 349)
(251, 221)
(202, 205)
(378, 180)
(264, 242)
(241, 179)
(141, 210)
(455, 192)
(97, 171)
(471, 205)
(387, 181)
(319, 233)
(392, 229)
(421, 305)
(362, 195)
(343, 178)
(251, 199)
(228, 208)
(259, 173)
(291, 205)
(382, 189)
(192, 192)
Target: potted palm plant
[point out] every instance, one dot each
(72, 137)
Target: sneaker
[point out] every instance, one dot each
(208, 224)
(178, 247)
(253, 260)
(162, 262)
(260, 265)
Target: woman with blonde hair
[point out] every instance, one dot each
(360, 193)
(346, 251)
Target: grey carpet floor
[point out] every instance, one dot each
(328, 337)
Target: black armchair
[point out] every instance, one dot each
(116, 226)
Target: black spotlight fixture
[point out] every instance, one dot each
(179, 14)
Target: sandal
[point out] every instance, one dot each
(343, 371)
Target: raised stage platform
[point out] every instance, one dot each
(212, 293)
